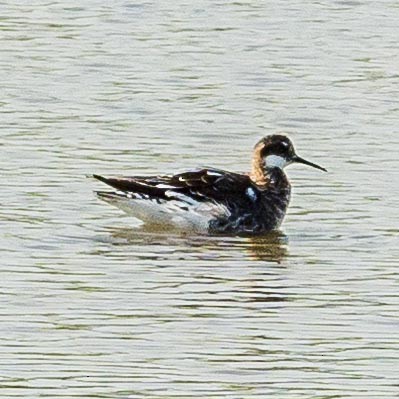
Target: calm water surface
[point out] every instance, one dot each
(93, 306)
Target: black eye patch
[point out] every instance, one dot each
(275, 149)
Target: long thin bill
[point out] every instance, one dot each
(305, 162)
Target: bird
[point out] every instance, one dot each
(212, 200)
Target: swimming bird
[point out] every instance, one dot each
(213, 200)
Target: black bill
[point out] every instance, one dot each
(305, 162)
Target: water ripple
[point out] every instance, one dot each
(96, 306)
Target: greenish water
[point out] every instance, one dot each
(93, 306)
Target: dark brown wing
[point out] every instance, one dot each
(134, 185)
(201, 185)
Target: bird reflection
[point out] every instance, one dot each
(271, 247)
(260, 260)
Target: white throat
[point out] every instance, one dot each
(275, 161)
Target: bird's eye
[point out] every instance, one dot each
(282, 147)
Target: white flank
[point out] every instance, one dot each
(193, 216)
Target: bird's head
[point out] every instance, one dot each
(277, 151)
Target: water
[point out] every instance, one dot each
(93, 306)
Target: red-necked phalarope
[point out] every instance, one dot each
(214, 200)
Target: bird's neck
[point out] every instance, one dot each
(258, 171)
(263, 167)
